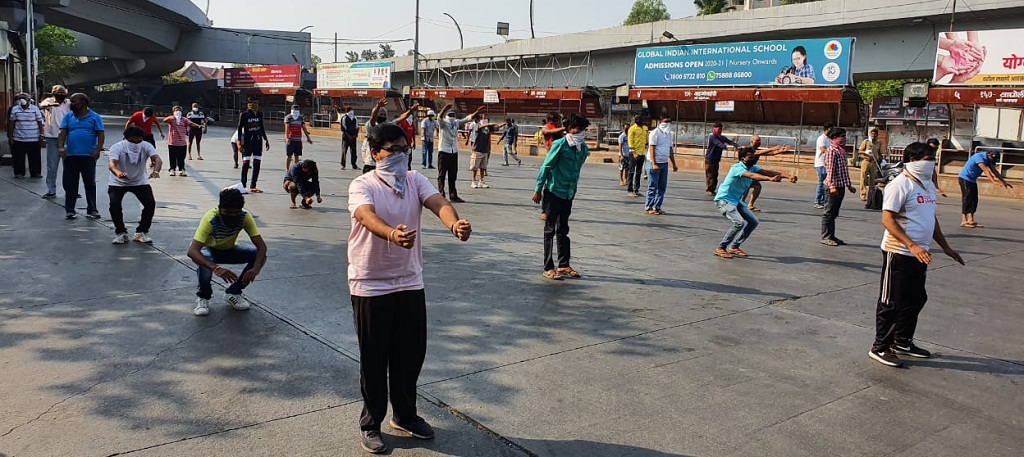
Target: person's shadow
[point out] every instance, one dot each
(582, 448)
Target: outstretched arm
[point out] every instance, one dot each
(449, 217)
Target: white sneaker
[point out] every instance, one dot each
(202, 307)
(182, 173)
(141, 237)
(474, 185)
(236, 301)
(484, 185)
(172, 173)
(121, 238)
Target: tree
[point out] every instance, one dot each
(645, 11)
(882, 88)
(368, 54)
(314, 61)
(52, 43)
(175, 78)
(351, 56)
(386, 51)
(706, 7)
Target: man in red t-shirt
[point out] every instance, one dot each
(409, 127)
(145, 120)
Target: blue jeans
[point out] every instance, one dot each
(743, 223)
(428, 153)
(52, 163)
(243, 253)
(819, 192)
(657, 182)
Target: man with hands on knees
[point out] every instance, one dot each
(385, 278)
(216, 242)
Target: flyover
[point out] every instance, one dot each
(126, 40)
(895, 39)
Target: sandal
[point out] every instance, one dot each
(723, 253)
(552, 275)
(659, 212)
(199, 158)
(737, 252)
(254, 190)
(292, 205)
(568, 272)
(652, 212)
(755, 209)
(832, 243)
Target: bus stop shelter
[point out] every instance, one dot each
(984, 119)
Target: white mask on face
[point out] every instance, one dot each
(177, 115)
(393, 170)
(665, 127)
(351, 114)
(22, 102)
(576, 140)
(921, 169)
(295, 113)
(195, 110)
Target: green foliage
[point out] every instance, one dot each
(314, 61)
(368, 54)
(386, 51)
(109, 87)
(882, 88)
(706, 7)
(175, 78)
(645, 11)
(53, 42)
(351, 56)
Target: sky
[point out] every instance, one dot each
(367, 20)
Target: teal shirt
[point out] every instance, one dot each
(734, 185)
(560, 172)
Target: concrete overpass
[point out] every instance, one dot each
(895, 39)
(128, 40)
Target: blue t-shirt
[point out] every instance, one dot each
(734, 185)
(971, 171)
(81, 137)
(511, 135)
(624, 143)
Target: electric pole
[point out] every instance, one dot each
(416, 50)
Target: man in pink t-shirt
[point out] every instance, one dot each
(385, 280)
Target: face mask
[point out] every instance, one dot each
(717, 131)
(295, 113)
(393, 171)
(231, 221)
(351, 114)
(665, 126)
(576, 140)
(382, 119)
(195, 110)
(23, 102)
(921, 169)
(59, 97)
(177, 115)
(839, 142)
(145, 118)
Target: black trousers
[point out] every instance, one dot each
(636, 170)
(392, 333)
(711, 175)
(447, 167)
(75, 166)
(348, 147)
(968, 196)
(145, 196)
(20, 150)
(556, 229)
(901, 297)
(828, 216)
(177, 156)
(149, 139)
(249, 162)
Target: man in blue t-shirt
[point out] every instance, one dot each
(729, 201)
(980, 163)
(79, 144)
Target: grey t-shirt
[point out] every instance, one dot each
(132, 159)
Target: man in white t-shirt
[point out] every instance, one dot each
(385, 279)
(128, 174)
(661, 142)
(908, 215)
(821, 145)
(448, 153)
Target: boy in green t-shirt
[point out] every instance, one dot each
(216, 242)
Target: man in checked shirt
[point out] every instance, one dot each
(837, 181)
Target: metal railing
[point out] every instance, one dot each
(1003, 154)
(766, 141)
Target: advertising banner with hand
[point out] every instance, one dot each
(981, 58)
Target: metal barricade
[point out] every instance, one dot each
(766, 141)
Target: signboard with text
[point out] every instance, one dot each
(891, 108)
(265, 77)
(812, 62)
(981, 58)
(354, 75)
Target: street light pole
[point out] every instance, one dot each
(30, 45)
(416, 50)
(461, 42)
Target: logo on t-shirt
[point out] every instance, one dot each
(922, 199)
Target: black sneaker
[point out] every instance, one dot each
(416, 427)
(70, 216)
(911, 350)
(93, 215)
(49, 195)
(885, 358)
(372, 442)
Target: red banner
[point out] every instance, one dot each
(270, 76)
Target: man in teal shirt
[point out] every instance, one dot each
(729, 201)
(556, 183)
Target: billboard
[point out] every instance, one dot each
(813, 62)
(269, 76)
(354, 75)
(982, 58)
(891, 108)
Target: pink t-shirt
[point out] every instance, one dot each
(177, 131)
(375, 266)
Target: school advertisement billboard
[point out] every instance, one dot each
(981, 58)
(354, 75)
(812, 62)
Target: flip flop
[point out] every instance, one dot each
(755, 209)
(659, 212)
(254, 190)
(652, 212)
(966, 225)
(737, 252)
(199, 158)
(552, 275)
(976, 225)
(723, 253)
(292, 206)
(568, 272)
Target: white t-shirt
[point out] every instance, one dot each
(474, 130)
(133, 160)
(822, 142)
(26, 123)
(914, 204)
(234, 136)
(662, 143)
(375, 266)
(365, 151)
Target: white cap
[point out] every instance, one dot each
(431, 113)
